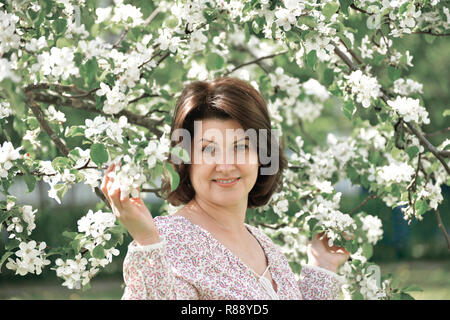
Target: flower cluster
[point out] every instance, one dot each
(125, 14)
(9, 39)
(57, 63)
(5, 109)
(334, 221)
(364, 89)
(396, 172)
(99, 127)
(16, 226)
(129, 177)
(407, 87)
(373, 227)
(31, 259)
(157, 151)
(116, 100)
(77, 272)
(7, 155)
(409, 109)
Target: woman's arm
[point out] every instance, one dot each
(319, 279)
(317, 283)
(148, 275)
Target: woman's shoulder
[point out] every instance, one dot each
(170, 223)
(176, 229)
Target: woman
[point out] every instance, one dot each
(206, 250)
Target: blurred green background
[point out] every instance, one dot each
(416, 254)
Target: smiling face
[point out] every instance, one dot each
(224, 162)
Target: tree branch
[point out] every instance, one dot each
(369, 197)
(89, 105)
(255, 61)
(39, 114)
(432, 134)
(431, 33)
(442, 227)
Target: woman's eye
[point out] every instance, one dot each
(241, 147)
(208, 148)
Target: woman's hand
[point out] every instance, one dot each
(132, 212)
(321, 255)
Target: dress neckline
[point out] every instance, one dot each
(254, 273)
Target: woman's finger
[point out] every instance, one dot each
(114, 194)
(124, 198)
(106, 178)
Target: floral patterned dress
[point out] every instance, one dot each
(189, 263)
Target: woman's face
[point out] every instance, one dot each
(224, 162)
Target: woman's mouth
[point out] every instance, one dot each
(227, 182)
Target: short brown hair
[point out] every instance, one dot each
(224, 98)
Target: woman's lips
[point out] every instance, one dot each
(222, 183)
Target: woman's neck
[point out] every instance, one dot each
(229, 220)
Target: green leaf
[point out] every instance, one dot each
(328, 77)
(69, 234)
(99, 154)
(446, 113)
(91, 67)
(367, 250)
(412, 152)
(357, 296)
(61, 163)
(30, 180)
(394, 73)
(329, 9)
(4, 215)
(75, 131)
(421, 207)
(214, 61)
(181, 153)
(5, 256)
(98, 252)
(12, 243)
(60, 25)
(348, 108)
(405, 296)
(255, 27)
(308, 20)
(63, 42)
(173, 176)
(247, 32)
(344, 5)
(412, 288)
(311, 59)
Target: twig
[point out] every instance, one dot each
(256, 61)
(432, 134)
(359, 9)
(369, 197)
(37, 111)
(306, 134)
(438, 154)
(354, 55)
(442, 227)
(347, 60)
(431, 33)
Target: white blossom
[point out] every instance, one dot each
(363, 87)
(409, 109)
(58, 62)
(373, 227)
(30, 259)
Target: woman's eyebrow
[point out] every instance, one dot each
(245, 138)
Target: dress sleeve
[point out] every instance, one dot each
(148, 275)
(317, 283)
